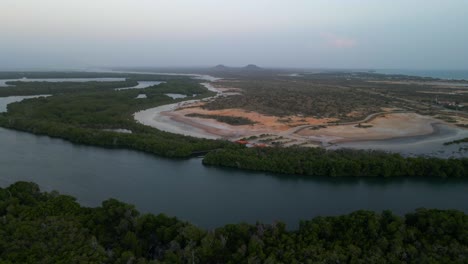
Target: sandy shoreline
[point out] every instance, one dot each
(162, 117)
(171, 118)
(392, 125)
(294, 131)
(156, 117)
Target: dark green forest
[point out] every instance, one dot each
(41, 227)
(52, 88)
(84, 115)
(342, 162)
(78, 74)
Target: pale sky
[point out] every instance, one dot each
(409, 34)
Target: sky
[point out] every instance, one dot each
(370, 34)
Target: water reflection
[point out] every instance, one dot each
(208, 196)
(428, 145)
(5, 101)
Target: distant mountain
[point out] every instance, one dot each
(220, 67)
(252, 67)
(248, 70)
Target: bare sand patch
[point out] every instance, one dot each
(292, 130)
(383, 127)
(302, 130)
(263, 123)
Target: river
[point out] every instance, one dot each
(5, 101)
(206, 196)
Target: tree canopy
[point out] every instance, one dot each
(41, 227)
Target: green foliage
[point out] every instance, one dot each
(36, 88)
(323, 98)
(39, 227)
(77, 74)
(463, 140)
(85, 115)
(343, 162)
(231, 120)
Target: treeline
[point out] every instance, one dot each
(77, 74)
(463, 140)
(39, 227)
(83, 116)
(35, 88)
(18, 88)
(147, 140)
(342, 162)
(231, 120)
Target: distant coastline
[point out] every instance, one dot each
(442, 74)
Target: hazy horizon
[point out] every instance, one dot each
(53, 34)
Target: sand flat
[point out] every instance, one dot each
(392, 125)
(172, 118)
(303, 130)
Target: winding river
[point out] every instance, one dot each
(206, 196)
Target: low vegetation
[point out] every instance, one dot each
(39, 227)
(463, 140)
(85, 113)
(77, 74)
(344, 96)
(231, 120)
(283, 97)
(336, 163)
(36, 88)
(82, 117)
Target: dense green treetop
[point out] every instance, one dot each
(85, 116)
(342, 162)
(39, 227)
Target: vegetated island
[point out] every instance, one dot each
(40, 227)
(92, 114)
(95, 113)
(341, 162)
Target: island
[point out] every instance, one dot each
(252, 118)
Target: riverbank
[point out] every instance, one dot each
(94, 174)
(90, 116)
(383, 127)
(157, 117)
(293, 130)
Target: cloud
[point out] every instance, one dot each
(335, 41)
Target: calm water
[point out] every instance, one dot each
(429, 145)
(442, 74)
(176, 96)
(4, 101)
(206, 196)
